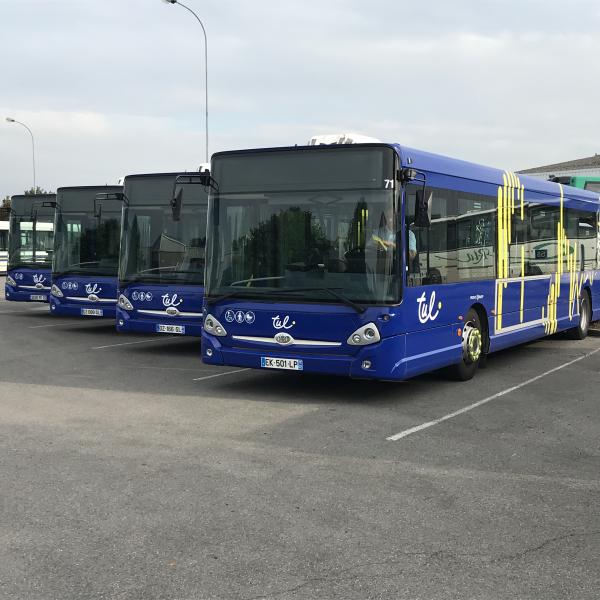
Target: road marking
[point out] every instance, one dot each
(219, 374)
(160, 339)
(407, 432)
(18, 312)
(55, 324)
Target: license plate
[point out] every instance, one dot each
(92, 312)
(38, 298)
(292, 364)
(170, 329)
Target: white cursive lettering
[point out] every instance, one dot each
(173, 301)
(278, 323)
(426, 310)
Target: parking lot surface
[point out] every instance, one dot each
(130, 470)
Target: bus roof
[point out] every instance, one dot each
(146, 175)
(34, 197)
(444, 165)
(76, 188)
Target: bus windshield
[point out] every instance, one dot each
(158, 245)
(87, 232)
(31, 231)
(309, 224)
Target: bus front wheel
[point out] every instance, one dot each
(472, 348)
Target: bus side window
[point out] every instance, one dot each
(459, 245)
(585, 227)
(519, 251)
(543, 242)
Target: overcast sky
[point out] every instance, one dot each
(113, 87)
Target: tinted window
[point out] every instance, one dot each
(156, 247)
(338, 168)
(459, 244)
(593, 186)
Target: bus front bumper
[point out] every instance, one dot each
(379, 361)
(69, 308)
(127, 321)
(14, 294)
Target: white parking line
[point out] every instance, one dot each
(161, 339)
(219, 374)
(17, 312)
(412, 430)
(56, 324)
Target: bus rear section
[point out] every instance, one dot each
(385, 262)
(161, 275)
(86, 248)
(30, 247)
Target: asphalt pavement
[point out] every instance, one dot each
(130, 470)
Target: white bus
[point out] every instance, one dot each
(3, 246)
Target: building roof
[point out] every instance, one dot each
(590, 162)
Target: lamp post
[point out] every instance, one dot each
(205, 64)
(11, 120)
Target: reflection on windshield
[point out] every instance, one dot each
(31, 241)
(159, 249)
(342, 240)
(88, 244)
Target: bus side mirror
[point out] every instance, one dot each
(423, 202)
(176, 201)
(97, 208)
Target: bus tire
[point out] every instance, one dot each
(585, 315)
(473, 346)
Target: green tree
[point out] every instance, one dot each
(37, 190)
(5, 202)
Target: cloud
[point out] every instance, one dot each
(117, 87)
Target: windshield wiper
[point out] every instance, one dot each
(359, 308)
(215, 299)
(171, 270)
(332, 291)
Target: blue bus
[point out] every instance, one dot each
(86, 251)
(30, 245)
(161, 274)
(384, 262)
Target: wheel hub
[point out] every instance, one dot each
(472, 343)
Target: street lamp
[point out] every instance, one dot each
(11, 120)
(205, 63)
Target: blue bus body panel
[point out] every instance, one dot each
(423, 332)
(85, 296)
(33, 285)
(152, 305)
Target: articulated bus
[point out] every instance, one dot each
(4, 225)
(30, 245)
(384, 262)
(86, 251)
(163, 239)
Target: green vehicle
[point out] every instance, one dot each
(591, 184)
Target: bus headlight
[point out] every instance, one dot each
(211, 325)
(365, 335)
(10, 280)
(124, 303)
(55, 291)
